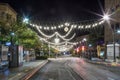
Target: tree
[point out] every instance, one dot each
(23, 35)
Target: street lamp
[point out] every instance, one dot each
(25, 20)
(107, 18)
(84, 39)
(84, 46)
(118, 31)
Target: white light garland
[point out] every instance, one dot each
(56, 33)
(50, 36)
(75, 26)
(67, 24)
(60, 43)
(64, 38)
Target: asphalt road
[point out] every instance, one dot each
(71, 68)
(57, 69)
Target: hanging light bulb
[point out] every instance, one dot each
(67, 24)
(66, 29)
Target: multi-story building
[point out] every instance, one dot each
(7, 14)
(112, 8)
(111, 35)
(7, 18)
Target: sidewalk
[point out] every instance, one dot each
(24, 72)
(115, 64)
(91, 72)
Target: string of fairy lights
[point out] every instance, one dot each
(68, 28)
(55, 33)
(60, 43)
(67, 25)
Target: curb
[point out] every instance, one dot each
(104, 63)
(31, 73)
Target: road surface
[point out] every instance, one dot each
(73, 69)
(57, 69)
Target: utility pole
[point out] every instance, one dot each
(114, 43)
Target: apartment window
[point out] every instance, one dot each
(2, 13)
(8, 16)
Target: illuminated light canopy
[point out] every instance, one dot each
(73, 26)
(56, 33)
(68, 27)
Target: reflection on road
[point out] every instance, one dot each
(73, 69)
(57, 69)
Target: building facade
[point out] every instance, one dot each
(111, 34)
(8, 17)
(7, 14)
(112, 8)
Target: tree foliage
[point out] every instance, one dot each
(23, 34)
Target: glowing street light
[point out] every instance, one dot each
(118, 31)
(106, 17)
(90, 45)
(85, 39)
(12, 33)
(26, 20)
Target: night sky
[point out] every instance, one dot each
(51, 11)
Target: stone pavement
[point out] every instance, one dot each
(23, 72)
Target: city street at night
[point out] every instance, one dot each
(59, 40)
(73, 69)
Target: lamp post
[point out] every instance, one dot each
(12, 34)
(84, 41)
(114, 44)
(11, 49)
(107, 18)
(49, 49)
(57, 40)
